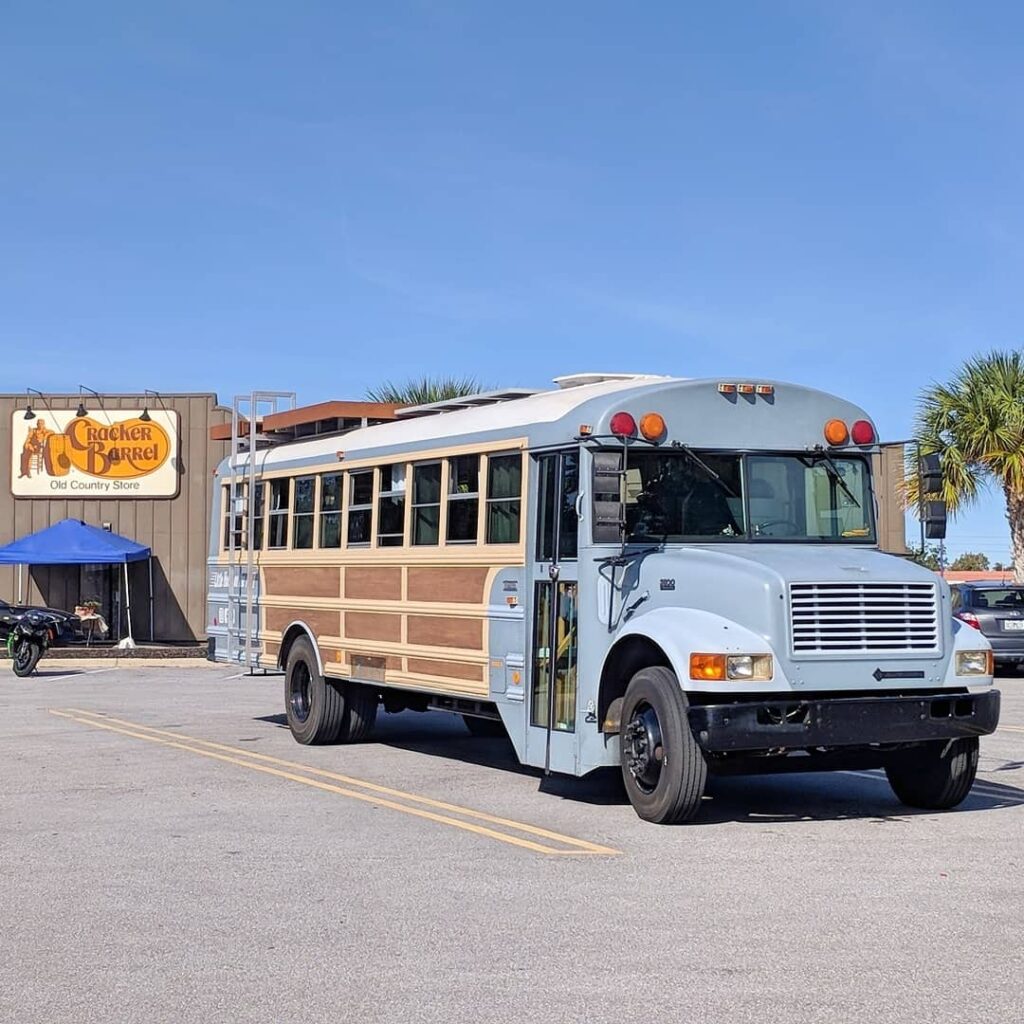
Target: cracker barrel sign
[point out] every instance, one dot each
(106, 455)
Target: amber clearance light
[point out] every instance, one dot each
(836, 432)
(652, 426)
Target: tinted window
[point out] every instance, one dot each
(303, 503)
(504, 481)
(1005, 598)
(426, 503)
(559, 485)
(277, 525)
(330, 511)
(360, 508)
(463, 498)
(391, 506)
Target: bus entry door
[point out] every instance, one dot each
(551, 735)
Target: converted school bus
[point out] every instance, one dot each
(519, 557)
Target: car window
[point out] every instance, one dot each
(957, 598)
(1011, 598)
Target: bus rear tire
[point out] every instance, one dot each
(935, 776)
(314, 707)
(360, 712)
(663, 768)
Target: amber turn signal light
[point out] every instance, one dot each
(707, 666)
(836, 432)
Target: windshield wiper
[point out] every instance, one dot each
(834, 474)
(698, 461)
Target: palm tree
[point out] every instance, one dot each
(975, 423)
(424, 390)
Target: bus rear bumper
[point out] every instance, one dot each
(843, 722)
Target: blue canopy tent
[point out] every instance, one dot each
(72, 542)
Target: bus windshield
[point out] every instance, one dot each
(679, 495)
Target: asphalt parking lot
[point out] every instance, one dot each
(170, 854)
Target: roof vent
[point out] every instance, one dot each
(576, 380)
(465, 402)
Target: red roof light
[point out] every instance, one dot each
(862, 432)
(623, 425)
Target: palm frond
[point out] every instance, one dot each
(425, 390)
(975, 423)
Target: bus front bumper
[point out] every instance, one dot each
(843, 722)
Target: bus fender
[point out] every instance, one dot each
(668, 636)
(289, 636)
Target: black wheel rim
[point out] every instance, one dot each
(299, 690)
(23, 655)
(644, 748)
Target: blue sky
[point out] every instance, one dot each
(319, 196)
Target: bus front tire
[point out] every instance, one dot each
(314, 707)
(663, 768)
(935, 776)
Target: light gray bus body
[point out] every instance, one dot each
(711, 599)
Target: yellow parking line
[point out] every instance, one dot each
(194, 745)
(583, 844)
(1010, 728)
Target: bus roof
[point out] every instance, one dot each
(792, 418)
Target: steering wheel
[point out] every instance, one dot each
(793, 529)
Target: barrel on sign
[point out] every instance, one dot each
(55, 455)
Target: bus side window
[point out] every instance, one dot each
(360, 508)
(426, 503)
(330, 510)
(226, 513)
(303, 511)
(277, 519)
(569, 528)
(463, 498)
(559, 488)
(547, 485)
(391, 506)
(257, 515)
(504, 486)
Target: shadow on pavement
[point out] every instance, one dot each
(754, 799)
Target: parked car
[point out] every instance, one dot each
(65, 624)
(997, 610)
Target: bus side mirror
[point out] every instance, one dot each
(935, 520)
(609, 519)
(931, 474)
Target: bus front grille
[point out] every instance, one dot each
(876, 618)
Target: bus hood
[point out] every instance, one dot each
(697, 594)
(805, 563)
(749, 583)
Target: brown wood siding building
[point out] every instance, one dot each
(175, 528)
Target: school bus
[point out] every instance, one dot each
(678, 577)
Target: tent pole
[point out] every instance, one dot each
(20, 567)
(151, 635)
(128, 601)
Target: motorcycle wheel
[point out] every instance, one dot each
(26, 656)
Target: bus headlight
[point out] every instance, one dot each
(740, 667)
(974, 663)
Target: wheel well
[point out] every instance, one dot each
(624, 660)
(291, 634)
